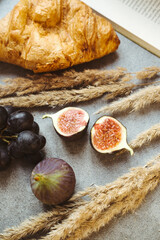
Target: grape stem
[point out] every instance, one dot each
(10, 137)
(5, 138)
(3, 131)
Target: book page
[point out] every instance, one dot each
(149, 9)
(140, 18)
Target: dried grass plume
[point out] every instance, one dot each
(135, 102)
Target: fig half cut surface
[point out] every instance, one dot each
(70, 122)
(53, 181)
(109, 135)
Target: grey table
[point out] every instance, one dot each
(17, 202)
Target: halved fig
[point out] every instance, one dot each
(109, 135)
(70, 122)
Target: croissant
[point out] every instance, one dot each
(48, 35)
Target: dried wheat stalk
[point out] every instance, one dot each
(137, 183)
(144, 138)
(44, 221)
(126, 90)
(147, 136)
(49, 219)
(127, 204)
(148, 73)
(43, 224)
(116, 192)
(60, 97)
(135, 102)
(121, 91)
(35, 224)
(37, 86)
(69, 79)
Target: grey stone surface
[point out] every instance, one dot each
(17, 201)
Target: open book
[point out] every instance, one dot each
(139, 20)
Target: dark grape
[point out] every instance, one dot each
(42, 141)
(35, 128)
(14, 150)
(4, 156)
(21, 135)
(8, 132)
(29, 142)
(3, 117)
(34, 158)
(19, 121)
(10, 109)
(2, 142)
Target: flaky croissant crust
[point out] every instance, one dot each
(48, 35)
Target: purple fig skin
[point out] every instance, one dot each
(53, 181)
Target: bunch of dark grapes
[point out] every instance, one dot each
(19, 137)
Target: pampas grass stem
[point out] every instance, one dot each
(134, 186)
(135, 102)
(59, 97)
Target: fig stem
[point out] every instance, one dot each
(129, 149)
(48, 116)
(38, 177)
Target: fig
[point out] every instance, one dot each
(70, 122)
(109, 135)
(53, 181)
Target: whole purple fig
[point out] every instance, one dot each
(53, 181)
